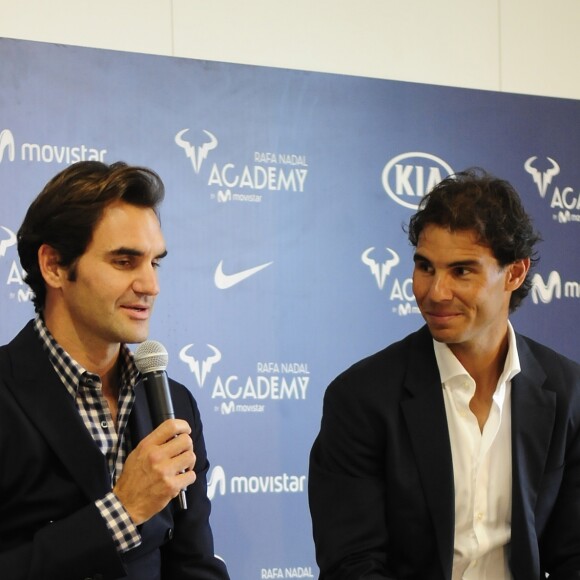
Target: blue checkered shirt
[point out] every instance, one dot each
(86, 390)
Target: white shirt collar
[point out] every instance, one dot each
(450, 367)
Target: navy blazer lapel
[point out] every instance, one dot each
(51, 409)
(533, 415)
(140, 423)
(427, 422)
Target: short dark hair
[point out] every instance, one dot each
(66, 212)
(491, 207)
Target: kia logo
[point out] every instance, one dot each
(409, 176)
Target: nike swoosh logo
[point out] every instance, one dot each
(225, 281)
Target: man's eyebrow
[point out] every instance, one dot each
(419, 257)
(133, 252)
(464, 263)
(457, 264)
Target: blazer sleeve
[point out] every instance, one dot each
(346, 488)
(380, 474)
(558, 499)
(51, 473)
(79, 546)
(33, 542)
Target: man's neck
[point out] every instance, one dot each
(484, 361)
(485, 365)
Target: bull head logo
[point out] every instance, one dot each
(9, 241)
(197, 154)
(542, 178)
(200, 368)
(380, 270)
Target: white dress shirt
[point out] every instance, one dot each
(482, 468)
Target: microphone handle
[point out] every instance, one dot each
(161, 407)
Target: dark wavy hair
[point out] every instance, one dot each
(477, 201)
(67, 210)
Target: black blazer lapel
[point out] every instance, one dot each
(533, 415)
(427, 423)
(44, 399)
(140, 423)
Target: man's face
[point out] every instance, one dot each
(461, 290)
(111, 298)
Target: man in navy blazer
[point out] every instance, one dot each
(87, 483)
(455, 452)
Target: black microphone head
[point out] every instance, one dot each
(151, 356)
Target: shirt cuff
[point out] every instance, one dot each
(123, 530)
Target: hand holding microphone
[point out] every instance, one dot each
(161, 466)
(151, 359)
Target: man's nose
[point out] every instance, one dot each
(440, 288)
(147, 281)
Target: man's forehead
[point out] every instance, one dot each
(436, 234)
(465, 243)
(134, 228)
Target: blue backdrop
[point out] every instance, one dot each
(286, 196)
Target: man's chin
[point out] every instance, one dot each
(136, 336)
(444, 335)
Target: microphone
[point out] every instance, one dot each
(151, 359)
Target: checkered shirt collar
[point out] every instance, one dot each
(71, 373)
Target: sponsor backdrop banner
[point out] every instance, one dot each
(286, 196)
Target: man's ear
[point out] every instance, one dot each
(52, 272)
(516, 273)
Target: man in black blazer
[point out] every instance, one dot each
(87, 484)
(455, 452)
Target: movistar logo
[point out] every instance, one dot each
(253, 484)
(216, 482)
(7, 145)
(47, 152)
(546, 291)
(553, 289)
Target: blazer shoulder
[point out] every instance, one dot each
(389, 365)
(549, 359)
(550, 370)
(396, 354)
(180, 390)
(16, 355)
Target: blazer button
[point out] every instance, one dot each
(169, 534)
